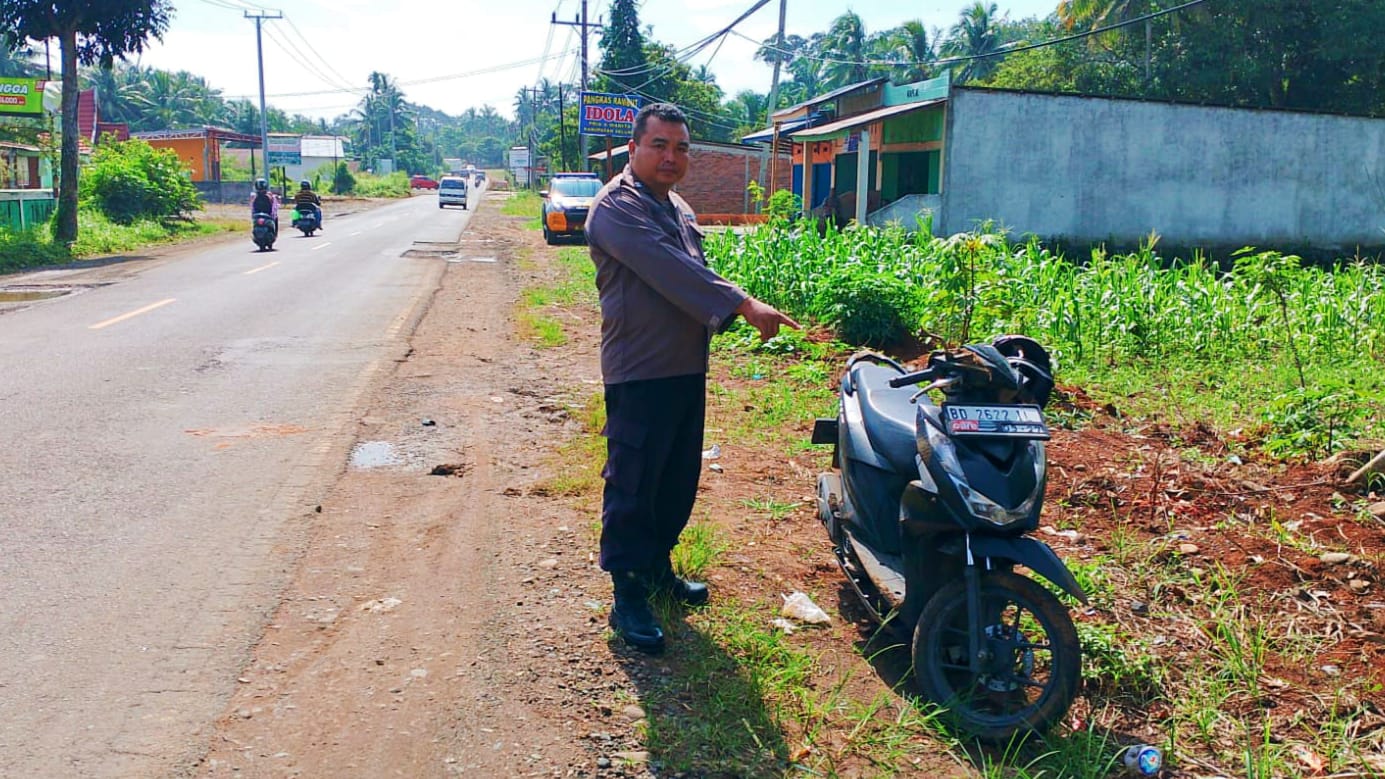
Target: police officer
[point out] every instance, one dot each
(660, 306)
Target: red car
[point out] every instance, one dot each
(422, 182)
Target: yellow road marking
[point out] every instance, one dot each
(131, 315)
(262, 267)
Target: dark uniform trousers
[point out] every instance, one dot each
(653, 462)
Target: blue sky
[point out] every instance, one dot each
(440, 51)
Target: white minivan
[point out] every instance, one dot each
(452, 191)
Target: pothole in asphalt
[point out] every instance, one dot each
(21, 295)
(374, 454)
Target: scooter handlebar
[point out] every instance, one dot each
(908, 379)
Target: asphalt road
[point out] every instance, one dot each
(159, 438)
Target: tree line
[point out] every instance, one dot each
(1283, 54)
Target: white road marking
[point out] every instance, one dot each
(358, 232)
(131, 315)
(262, 267)
(322, 246)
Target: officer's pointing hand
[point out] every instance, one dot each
(765, 318)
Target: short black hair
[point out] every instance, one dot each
(666, 112)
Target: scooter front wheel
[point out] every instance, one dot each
(1032, 659)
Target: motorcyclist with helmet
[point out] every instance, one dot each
(264, 201)
(307, 197)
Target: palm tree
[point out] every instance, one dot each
(845, 47)
(809, 80)
(116, 90)
(18, 63)
(908, 43)
(747, 109)
(167, 100)
(975, 36)
(1092, 14)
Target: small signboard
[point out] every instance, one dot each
(21, 96)
(285, 150)
(604, 114)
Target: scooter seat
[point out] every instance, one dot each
(888, 415)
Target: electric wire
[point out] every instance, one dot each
(343, 79)
(998, 53)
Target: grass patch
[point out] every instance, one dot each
(98, 236)
(524, 203)
(577, 461)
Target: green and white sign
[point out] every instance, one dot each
(23, 96)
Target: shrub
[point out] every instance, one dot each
(343, 183)
(871, 309)
(131, 180)
(391, 185)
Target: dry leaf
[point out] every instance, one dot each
(1310, 759)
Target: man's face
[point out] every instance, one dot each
(660, 157)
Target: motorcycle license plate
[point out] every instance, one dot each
(994, 421)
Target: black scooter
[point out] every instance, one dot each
(263, 230)
(928, 507)
(308, 218)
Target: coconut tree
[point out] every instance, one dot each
(116, 90)
(1094, 14)
(976, 38)
(909, 43)
(168, 100)
(17, 62)
(845, 46)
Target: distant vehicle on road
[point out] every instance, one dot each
(422, 182)
(452, 191)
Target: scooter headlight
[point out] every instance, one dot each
(981, 506)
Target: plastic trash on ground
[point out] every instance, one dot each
(802, 608)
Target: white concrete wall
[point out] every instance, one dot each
(1096, 169)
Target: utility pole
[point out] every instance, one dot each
(769, 109)
(259, 17)
(581, 21)
(562, 128)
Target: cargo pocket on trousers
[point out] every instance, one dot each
(625, 455)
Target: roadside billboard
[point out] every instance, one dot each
(613, 116)
(519, 164)
(285, 150)
(21, 96)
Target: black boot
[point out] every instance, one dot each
(631, 617)
(689, 593)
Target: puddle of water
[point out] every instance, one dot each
(374, 454)
(25, 296)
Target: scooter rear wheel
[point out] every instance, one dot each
(1035, 660)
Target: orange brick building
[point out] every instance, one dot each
(718, 174)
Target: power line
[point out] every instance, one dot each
(294, 53)
(323, 60)
(416, 82)
(692, 49)
(999, 53)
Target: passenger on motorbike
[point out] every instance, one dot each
(264, 201)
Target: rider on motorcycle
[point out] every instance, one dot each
(306, 196)
(264, 201)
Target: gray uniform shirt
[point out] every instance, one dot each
(660, 303)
